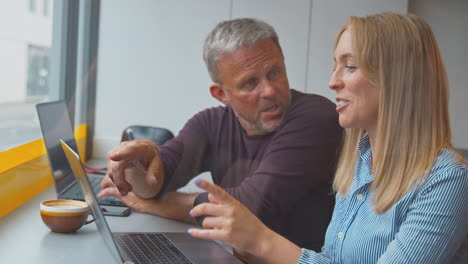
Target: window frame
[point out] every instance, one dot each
(23, 170)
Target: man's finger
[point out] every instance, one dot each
(117, 173)
(133, 150)
(123, 186)
(110, 191)
(214, 190)
(153, 170)
(107, 182)
(125, 151)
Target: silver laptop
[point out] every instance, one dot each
(142, 248)
(55, 125)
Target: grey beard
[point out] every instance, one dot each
(259, 128)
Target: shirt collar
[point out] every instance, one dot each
(364, 146)
(365, 153)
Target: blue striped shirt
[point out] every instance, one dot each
(427, 225)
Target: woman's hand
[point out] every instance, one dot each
(228, 220)
(232, 223)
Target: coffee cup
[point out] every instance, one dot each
(65, 216)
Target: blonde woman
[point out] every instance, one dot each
(402, 189)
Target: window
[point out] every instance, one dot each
(25, 49)
(45, 9)
(38, 62)
(32, 5)
(38, 73)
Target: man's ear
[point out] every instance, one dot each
(217, 92)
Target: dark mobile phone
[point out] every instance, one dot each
(115, 210)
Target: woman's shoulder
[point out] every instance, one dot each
(449, 168)
(449, 160)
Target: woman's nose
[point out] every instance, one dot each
(335, 82)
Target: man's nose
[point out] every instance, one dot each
(267, 89)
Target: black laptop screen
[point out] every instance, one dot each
(55, 125)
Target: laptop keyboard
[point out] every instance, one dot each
(75, 193)
(149, 248)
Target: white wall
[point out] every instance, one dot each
(328, 17)
(151, 70)
(150, 54)
(291, 22)
(449, 21)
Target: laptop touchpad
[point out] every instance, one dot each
(201, 250)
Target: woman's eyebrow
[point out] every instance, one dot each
(343, 56)
(346, 55)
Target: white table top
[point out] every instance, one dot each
(25, 239)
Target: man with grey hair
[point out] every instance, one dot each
(272, 148)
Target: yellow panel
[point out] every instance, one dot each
(80, 136)
(25, 172)
(20, 184)
(21, 154)
(29, 151)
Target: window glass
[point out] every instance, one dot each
(32, 6)
(38, 72)
(45, 9)
(24, 65)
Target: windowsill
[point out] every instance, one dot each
(25, 171)
(19, 123)
(22, 154)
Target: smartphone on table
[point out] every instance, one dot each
(115, 210)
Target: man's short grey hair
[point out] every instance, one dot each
(230, 35)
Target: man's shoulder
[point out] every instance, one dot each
(312, 107)
(310, 102)
(213, 110)
(213, 117)
(212, 113)
(310, 117)
(208, 122)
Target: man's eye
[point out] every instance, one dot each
(273, 74)
(250, 83)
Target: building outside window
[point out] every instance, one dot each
(32, 6)
(45, 7)
(38, 72)
(24, 66)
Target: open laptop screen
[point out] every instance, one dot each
(90, 198)
(55, 124)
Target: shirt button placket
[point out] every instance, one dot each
(340, 235)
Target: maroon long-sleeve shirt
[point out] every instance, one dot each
(284, 177)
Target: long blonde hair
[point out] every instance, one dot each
(399, 55)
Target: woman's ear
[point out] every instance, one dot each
(218, 93)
